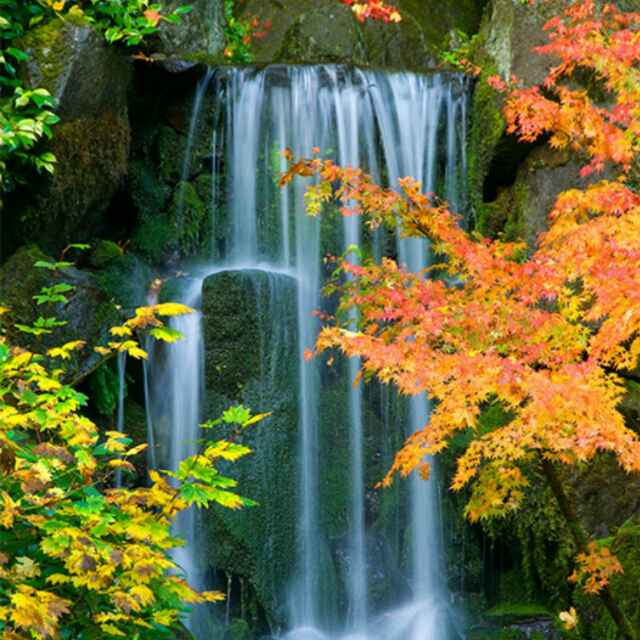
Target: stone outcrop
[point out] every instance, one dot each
(504, 46)
(324, 31)
(198, 33)
(251, 357)
(89, 80)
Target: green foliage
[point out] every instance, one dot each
(128, 21)
(26, 119)
(238, 35)
(460, 50)
(26, 116)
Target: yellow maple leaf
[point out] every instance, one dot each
(9, 511)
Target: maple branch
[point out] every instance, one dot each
(581, 539)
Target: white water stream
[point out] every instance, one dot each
(394, 125)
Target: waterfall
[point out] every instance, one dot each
(412, 151)
(393, 125)
(174, 397)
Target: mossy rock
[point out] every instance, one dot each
(251, 357)
(77, 66)
(88, 314)
(154, 239)
(509, 32)
(187, 217)
(198, 32)
(149, 193)
(239, 630)
(234, 304)
(323, 31)
(170, 147)
(521, 210)
(90, 81)
(68, 206)
(515, 612)
(126, 281)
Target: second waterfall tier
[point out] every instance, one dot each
(324, 555)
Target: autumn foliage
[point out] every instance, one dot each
(547, 334)
(80, 558)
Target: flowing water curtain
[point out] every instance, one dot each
(393, 124)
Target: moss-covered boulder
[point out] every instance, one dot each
(90, 81)
(251, 356)
(324, 31)
(511, 30)
(77, 66)
(200, 31)
(520, 210)
(125, 280)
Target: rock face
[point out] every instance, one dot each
(511, 30)
(251, 356)
(89, 313)
(199, 32)
(90, 81)
(315, 31)
(506, 195)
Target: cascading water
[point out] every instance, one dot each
(393, 125)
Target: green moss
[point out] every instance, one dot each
(92, 160)
(487, 127)
(251, 359)
(153, 239)
(51, 48)
(126, 280)
(505, 216)
(148, 192)
(438, 19)
(239, 630)
(498, 634)
(20, 280)
(104, 389)
(170, 150)
(187, 216)
(231, 363)
(513, 612)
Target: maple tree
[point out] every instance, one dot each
(549, 334)
(79, 558)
